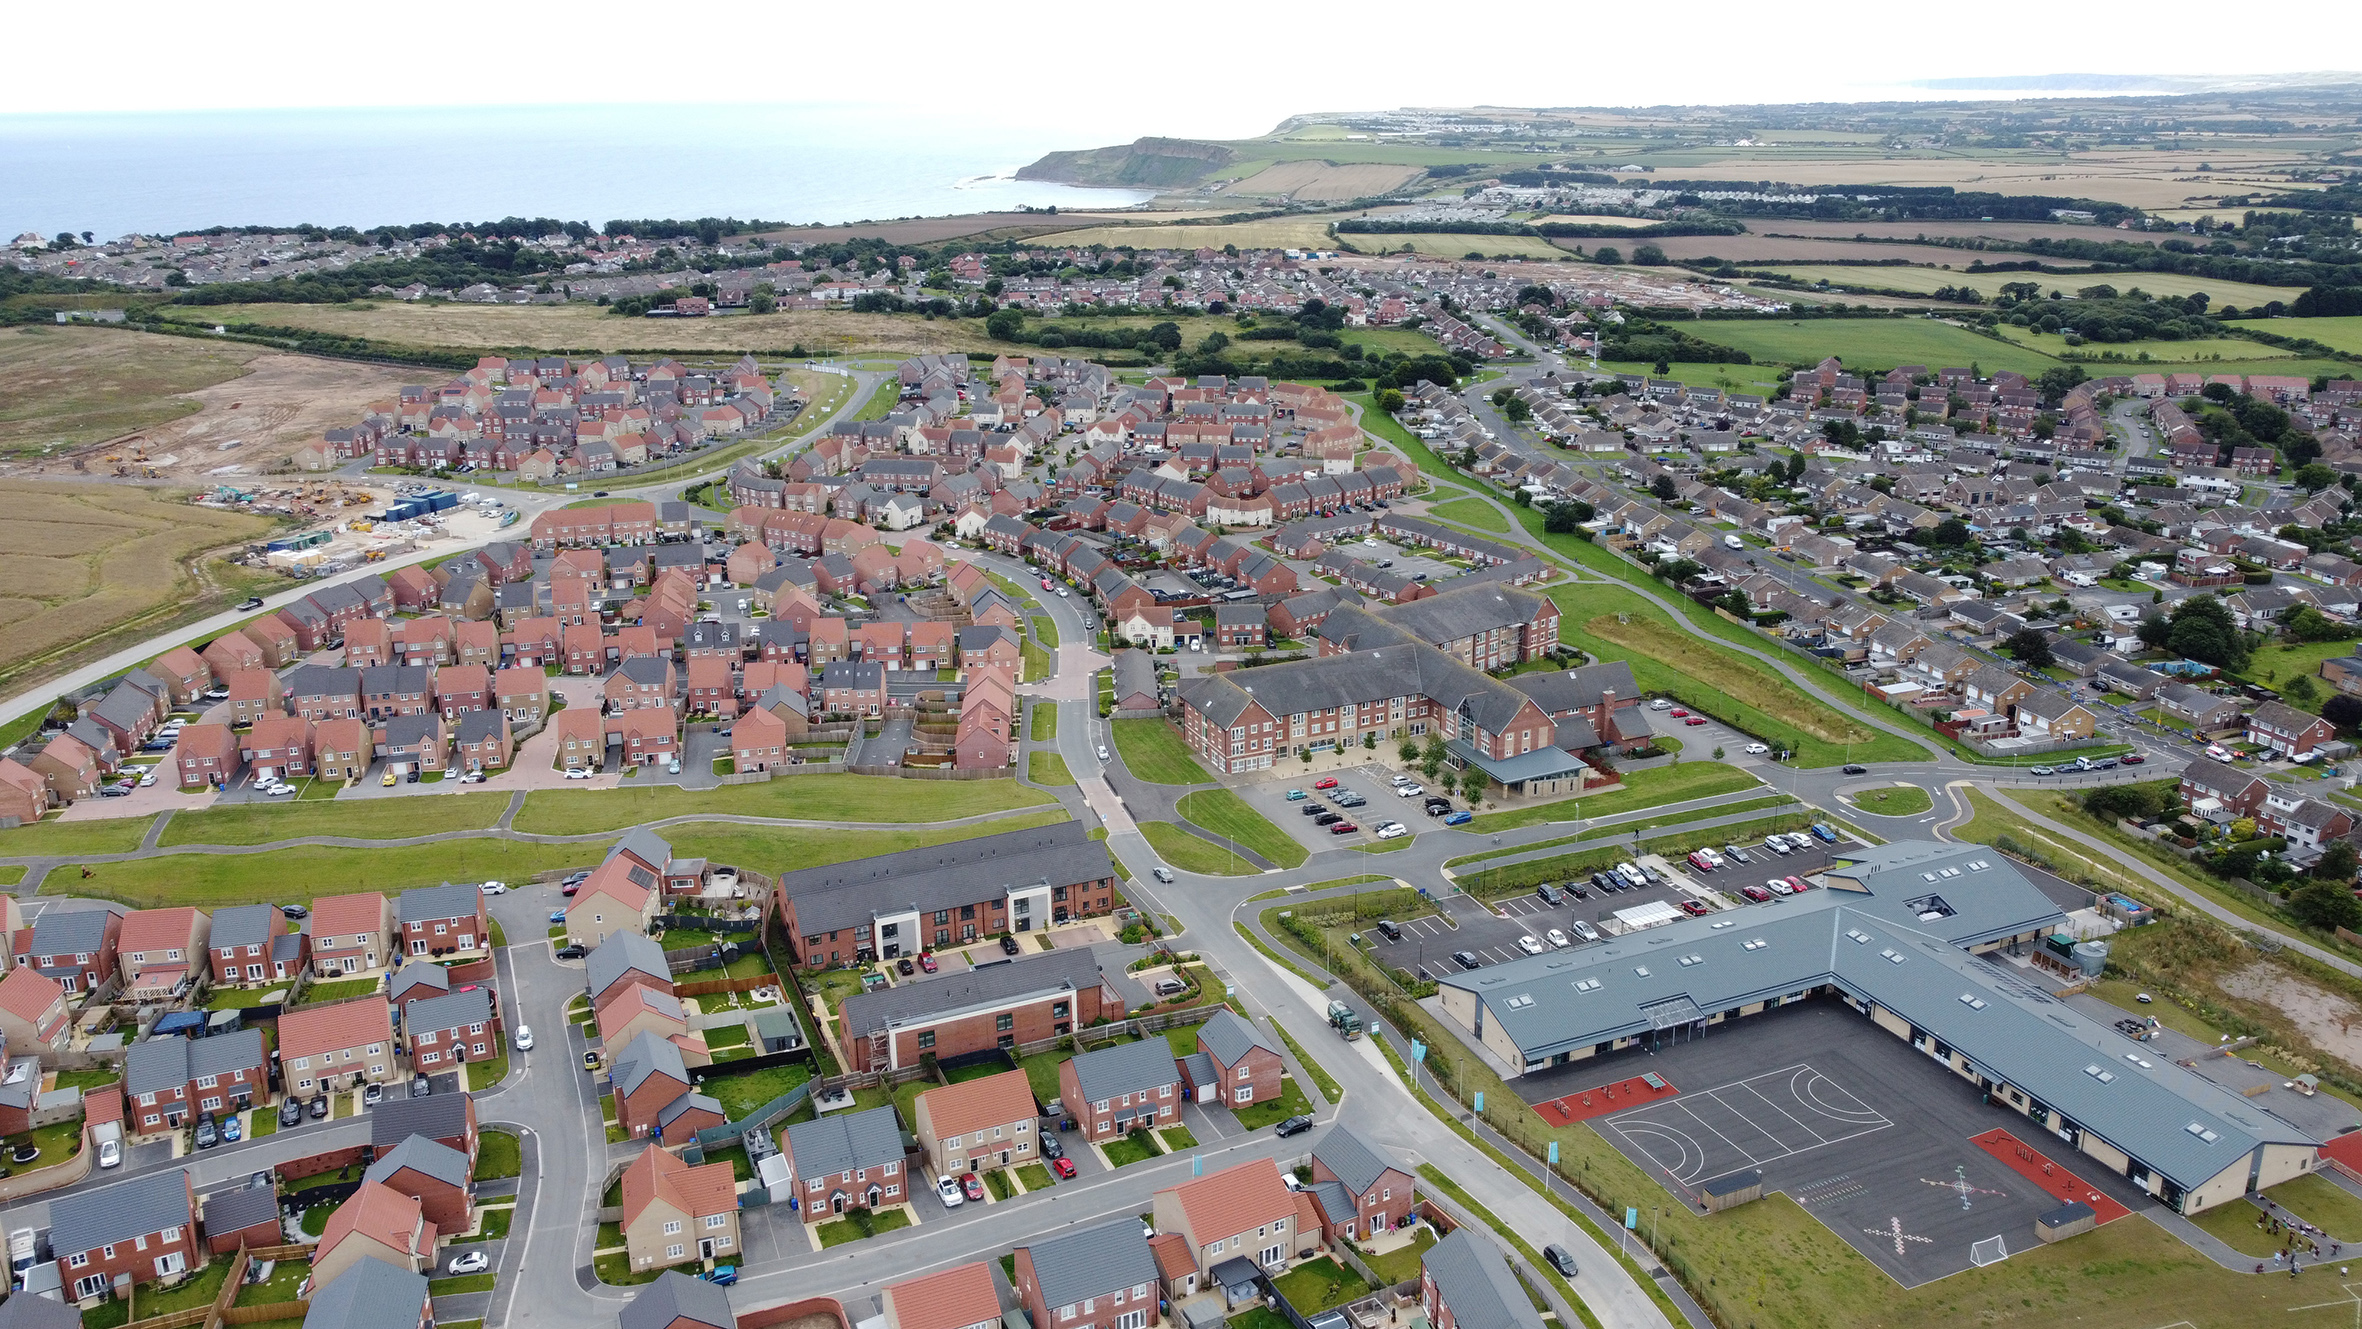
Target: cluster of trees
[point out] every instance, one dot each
(2102, 314)
(2199, 628)
(1649, 341)
(2328, 302)
(2235, 419)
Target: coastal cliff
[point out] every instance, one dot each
(1148, 163)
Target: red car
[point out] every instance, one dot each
(1755, 893)
(1343, 828)
(1795, 883)
(1680, 714)
(1693, 909)
(973, 1187)
(1329, 782)
(1695, 720)
(927, 963)
(1064, 1167)
(2133, 759)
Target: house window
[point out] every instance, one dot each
(716, 1220)
(672, 1228)
(1004, 1022)
(675, 1251)
(926, 1039)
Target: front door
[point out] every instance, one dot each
(705, 1248)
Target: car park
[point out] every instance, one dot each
(1822, 833)
(1297, 795)
(1755, 893)
(1312, 810)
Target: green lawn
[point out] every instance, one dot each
(2276, 662)
(1190, 854)
(1471, 512)
(1872, 345)
(465, 1283)
(367, 819)
(485, 1074)
(616, 1270)
(728, 1036)
(1291, 1100)
(67, 839)
(1036, 660)
(1316, 1285)
(1153, 751)
(1124, 1150)
(498, 1155)
(743, 1092)
(1034, 1176)
(1045, 630)
(1177, 1139)
(1047, 768)
(1226, 814)
(862, 1223)
(1896, 801)
(12, 874)
(1641, 789)
(87, 1080)
(279, 1288)
(1044, 722)
(58, 1141)
(997, 1182)
(1329, 1088)
(198, 1291)
(1401, 1265)
(340, 988)
(2328, 1206)
(2343, 333)
(826, 798)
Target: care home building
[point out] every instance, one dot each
(1895, 939)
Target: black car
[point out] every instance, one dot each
(905, 966)
(290, 1112)
(1855, 768)
(1392, 929)
(318, 1108)
(1577, 891)
(1466, 960)
(1327, 818)
(1560, 1260)
(421, 1087)
(571, 952)
(1009, 943)
(1051, 1148)
(1599, 880)
(1312, 809)
(1295, 1125)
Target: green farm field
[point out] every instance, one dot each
(2343, 333)
(1269, 233)
(1870, 344)
(2162, 352)
(1457, 246)
(1926, 281)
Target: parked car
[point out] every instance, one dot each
(1467, 960)
(1531, 944)
(373, 1095)
(1063, 1166)
(906, 966)
(1779, 887)
(1695, 720)
(1392, 929)
(290, 1112)
(948, 1191)
(494, 888)
(1735, 852)
(2133, 759)
(1327, 818)
(1297, 796)
(1343, 828)
(721, 1275)
(1009, 943)
(317, 1108)
(1393, 830)
(1409, 790)
(974, 1186)
(1557, 938)
(571, 952)
(207, 1137)
(1460, 818)
(472, 1262)
(231, 1131)
(927, 963)
(1295, 1125)
(1326, 782)
(1755, 893)
(524, 1038)
(1549, 895)
(1756, 749)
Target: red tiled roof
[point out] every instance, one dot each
(341, 914)
(655, 1175)
(1173, 1258)
(156, 930)
(953, 1299)
(27, 993)
(308, 1031)
(380, 1212)
(995, 1100)
(1235, 1199)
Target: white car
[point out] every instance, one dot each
(524, 1038)
(147, 777)
(1778, 844)
(1558, 938)
(474, 1262)
(279, 791)
(1103, 752)
(1409, 790)
(1065, 594)
(494, 888)
(1393, 830)
(1531, 944)
(1778, 887)
(1399, 781)
(1660, 704)
(1757, 749)
(578, 773)
(948, 1190)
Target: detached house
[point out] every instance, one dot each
(674, 1212)
(1240, 1213)
(432, 1173)
(1247, 1068)
(158, 950)
(446, 921)
(137, 1230)
(455, 1027)
(1361, 1193)
(1465, 1283)
(352, 934)
(33, 1015)
(254, 944)
(377, 1223)
(1098, 1277)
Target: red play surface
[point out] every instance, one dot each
(1584, 1104)
(2034, 1166)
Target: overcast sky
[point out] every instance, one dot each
(1102, 72)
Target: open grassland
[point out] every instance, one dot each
(1448, 245)
(1870, 344)
(1269, 233)
(1191, 854)
(1153, 751)
(360, 819)
(1320, 181)
(285, 876)
(1472, 512)
(1227, 815)
(63, 387)
(1763, 380)
(2160, 352)
(823, 798)
(2345, 334)
(1648, 788)
(82, 561)
(69, 839)
(1926, 281)
(588, 328)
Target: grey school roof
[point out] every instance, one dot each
(1230, 1037)
(844, 1141)
(989, 985)
(1125, 1068)
(1892, 930)
(1474, 1280)
(141, 1206)
(427, 1157)
(1351, 1158)
(844, 895)
(424, 904)
(1089, 1262)
(624, 953)
(370, 1295)
(675, 1296)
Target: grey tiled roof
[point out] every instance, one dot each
(623, 953)
(644, 1056)
(29, 1311)
(452, 1010)
(845, 1141)
(421, 904)
(431, 1158)
(86, 1220)
(1473, 1278)
(672, 1297)
(156, 1064)
(1126, 1068)
(230, 1210)
(369, 1295)
(1351, 1158)
(1091, 1262)
(70, 931)
(1230, 1037)
(1068, 970)
(245, 925)
(843, 895)
(437, 1117)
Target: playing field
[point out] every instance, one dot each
(1872, 344)
(2170, 352)
(1926, 281)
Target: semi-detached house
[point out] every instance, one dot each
(846, 1160)
(168, 1080)
(329, 1049)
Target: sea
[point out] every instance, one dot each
(158, 173)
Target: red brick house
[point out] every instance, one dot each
(456, 1027)
(1378, 1196)
(280, 745)
(158, 949)
(1111, 1091)
(461, 688)
(33, 1015)
(207, 754)
(1247, 1067)
(137, 1230)
(2287, 730)
(432, 1173)
(352, 934)
(443, 921)
(1466, 1275)
(758, 741)
(1099, 1277)
(255, 694)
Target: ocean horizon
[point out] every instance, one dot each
(156, 173)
